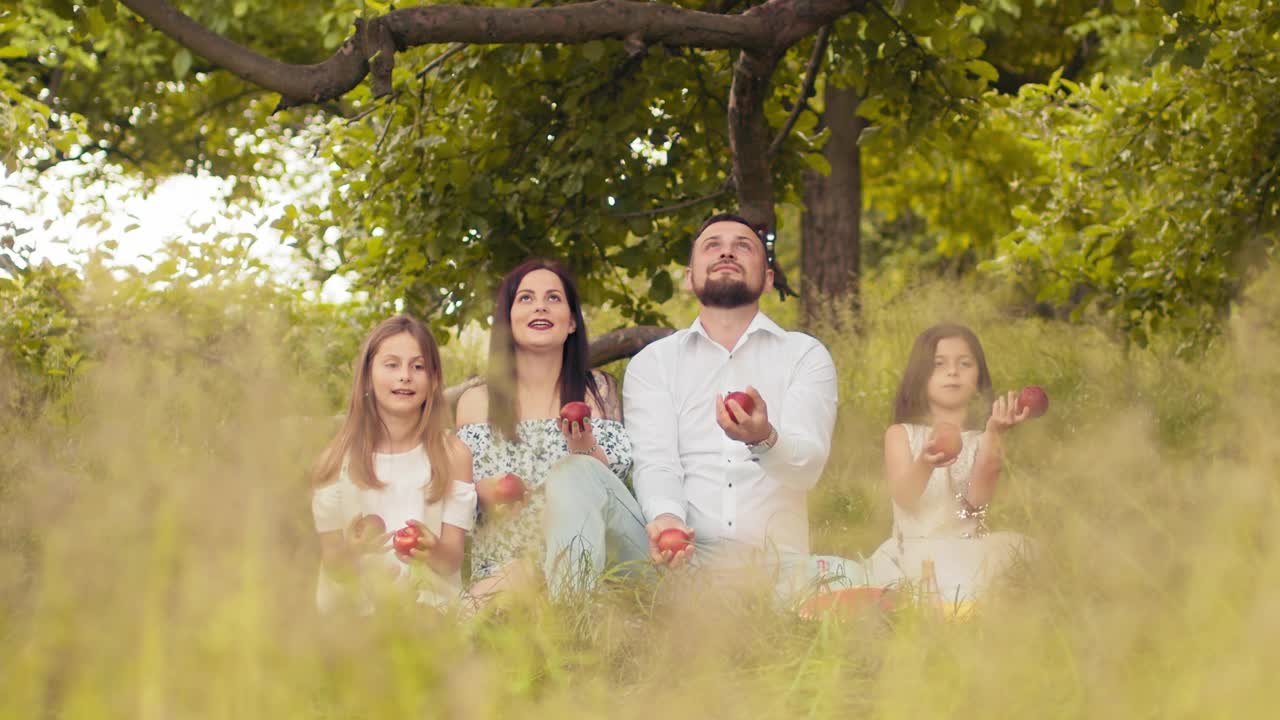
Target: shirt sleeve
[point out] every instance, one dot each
(651, 421)
(460, 505)
(328, 506)
(807, 421)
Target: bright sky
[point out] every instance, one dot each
(177, 204)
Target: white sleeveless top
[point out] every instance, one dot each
(403, 498)
(937, 513)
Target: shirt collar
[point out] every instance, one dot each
(760, 322)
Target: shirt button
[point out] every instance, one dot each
(730, 484)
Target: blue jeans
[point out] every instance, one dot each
(590, 518)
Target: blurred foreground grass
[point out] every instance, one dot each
(156, 558)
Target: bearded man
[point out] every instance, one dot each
(734, 478)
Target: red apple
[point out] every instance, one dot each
(575, 412)
(946, 440)
(744, 401)
(406, 539)
(509, 489)
(673, 539)
(1034, 398)
(369, 526)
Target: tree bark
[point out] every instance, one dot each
(830, 234)
(775, 25)
(615, 345)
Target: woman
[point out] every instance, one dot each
(576, 503)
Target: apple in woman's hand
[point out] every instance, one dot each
(576, 412)
(406, 539)
(744, 401)
(673, 540)
(1034, 398)
(946, 440)
(509, 489)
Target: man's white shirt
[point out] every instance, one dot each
(685, 465)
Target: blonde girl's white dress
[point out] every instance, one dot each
(944, 528)
(404, 497)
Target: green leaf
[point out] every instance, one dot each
(181, 63)
(660, 286)
(12, 52)
(64, 9)
(983, 69)
(818, 162)
(593, 51)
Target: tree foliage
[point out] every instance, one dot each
(1112, 158)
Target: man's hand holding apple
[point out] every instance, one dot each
(667, 557)
(748, 425)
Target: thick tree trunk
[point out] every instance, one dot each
(830, 226)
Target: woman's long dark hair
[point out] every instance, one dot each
(911, 404)
(576, 379)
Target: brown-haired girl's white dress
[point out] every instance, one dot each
(943, 528)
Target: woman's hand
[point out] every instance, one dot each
(578, 435)
(1005, 414)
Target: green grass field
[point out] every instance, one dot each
(156, 558)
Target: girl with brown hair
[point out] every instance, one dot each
(940, 494)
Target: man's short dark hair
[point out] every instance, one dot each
(758, 232)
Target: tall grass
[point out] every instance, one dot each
(156, 558)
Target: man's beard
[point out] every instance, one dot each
(727, 293)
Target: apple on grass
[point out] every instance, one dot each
(509, 489)
(744, 401)
(1034, 398)
(945, 439)
(673, 540)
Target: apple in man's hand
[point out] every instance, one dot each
(406, 539)
(1034, 398)
(575, 412)
(946, 440)
(673, 540)
(509, 489)
(744, 401)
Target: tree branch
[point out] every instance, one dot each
(810, 77)
(624, 343)
(680, 205)
(777, 23)
(611, 346)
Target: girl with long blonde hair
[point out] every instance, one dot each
(394, 465)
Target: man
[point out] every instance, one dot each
(737, 481)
